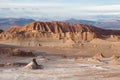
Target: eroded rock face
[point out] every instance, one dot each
(38, 31)
(54, 30)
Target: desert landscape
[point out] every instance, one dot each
(59, 51)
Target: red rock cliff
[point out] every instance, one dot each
(58, 30)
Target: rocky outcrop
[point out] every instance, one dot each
(16, 52)
(33, 65)
(32, 34)
(54, 30)
(114, 57)
(98, 56)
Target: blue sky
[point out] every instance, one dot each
(60, 9)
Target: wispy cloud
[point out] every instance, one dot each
(104, 8)
(52, 8)
(9, 4)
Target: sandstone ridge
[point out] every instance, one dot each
(52, 31)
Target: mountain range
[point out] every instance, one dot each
(105, 24)
(5, 23)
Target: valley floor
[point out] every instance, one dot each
(63, 69)
(60, 63)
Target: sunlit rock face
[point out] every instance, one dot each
(55, 30)
(50, 31)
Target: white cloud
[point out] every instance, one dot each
(104, 8)
(8, 4)
(57, 9)
(66, 6)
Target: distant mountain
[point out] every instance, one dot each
(5, 23)
(75, 21)
(109, 24)
(106, 24)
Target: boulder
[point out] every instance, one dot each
(33, 65)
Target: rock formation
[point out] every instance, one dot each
(31, 34)
(98, 56)
(114, 57)
(33, 65)
(16, 52)
(54, 30)
(77, 58)
(94, 60)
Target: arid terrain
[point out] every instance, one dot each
(62, 51)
